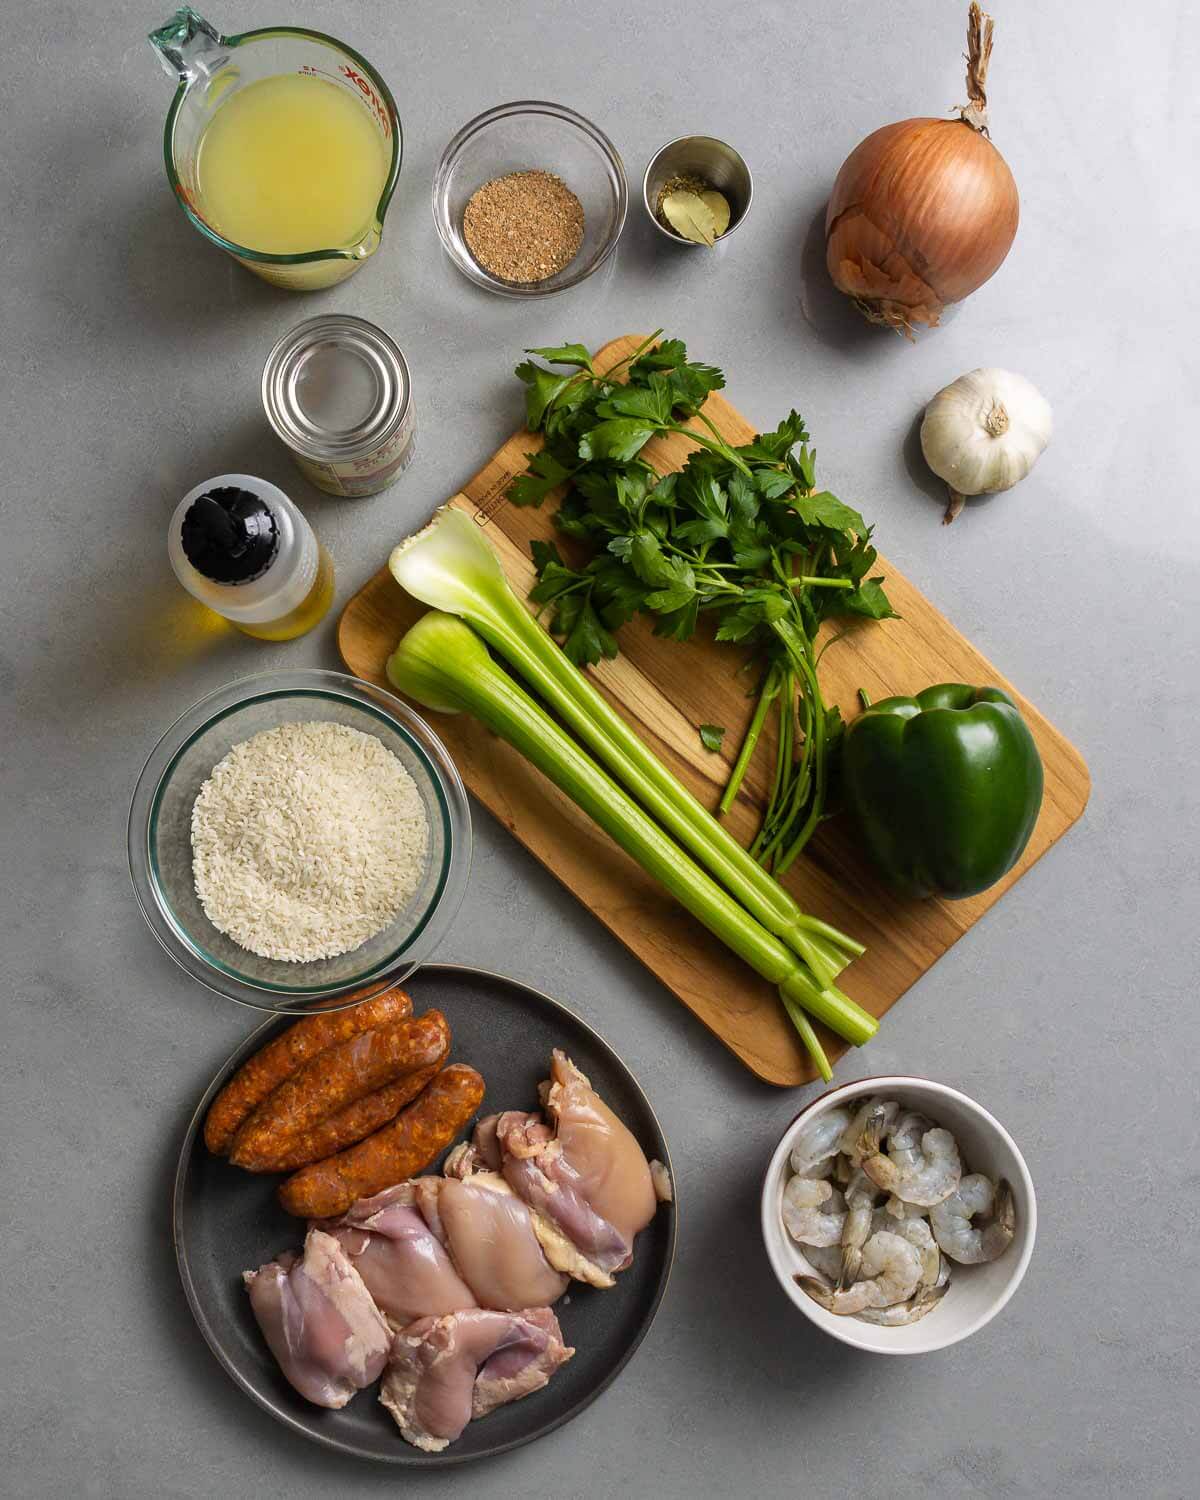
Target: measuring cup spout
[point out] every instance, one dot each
(190, 48)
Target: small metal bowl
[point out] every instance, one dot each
(710, 159)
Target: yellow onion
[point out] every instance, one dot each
(924, 211)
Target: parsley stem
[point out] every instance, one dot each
(718, 446)
(768, 691)
(716, 432)
(820, 774)
(804, 581)
(801, 786)
(783, 752)
(629, 358)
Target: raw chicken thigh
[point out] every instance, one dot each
(480, 1154)
(445, 1371)
(587, 1175)
(491, 1238)
(319, 1321)
(614, 1175)
(402, 1261)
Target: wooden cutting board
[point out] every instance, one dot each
(665, 690)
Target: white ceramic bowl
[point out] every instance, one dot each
(977, 1293)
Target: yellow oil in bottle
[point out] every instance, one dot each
(240, 546)
(309, 612)
(290, 164)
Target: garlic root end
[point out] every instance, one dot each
(957, 502)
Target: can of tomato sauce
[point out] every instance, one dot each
(337, 392)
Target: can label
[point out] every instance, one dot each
(368, 474)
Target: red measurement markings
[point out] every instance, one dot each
(362, 84)
(366, 89)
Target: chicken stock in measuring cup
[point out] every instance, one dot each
(282, 145)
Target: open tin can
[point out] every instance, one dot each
(337, 392)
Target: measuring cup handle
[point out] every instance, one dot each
(189, 47)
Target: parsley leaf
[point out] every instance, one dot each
(824, 509)
(619, 439)
(772, 446)
(711, 736)
(586, 638)
(542, 386)
(652, 401)
(690, 385)
(565, 354)
(544, 474)
(664, 356)
(867, 599)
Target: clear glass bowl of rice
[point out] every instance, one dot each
(432, 881)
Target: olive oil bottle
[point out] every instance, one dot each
(240, 546)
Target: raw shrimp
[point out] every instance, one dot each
(825, 1259)
(915, 1229)
(881, 1113)
(861, 1193)
(804, 1217)
(901, 1210)
(900, 1314)
(891, 1271)
(923, 1173)
(816, 1146)
(976, 1198)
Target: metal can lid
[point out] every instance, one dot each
(335, 387)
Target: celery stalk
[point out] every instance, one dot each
(444, 665)
(450, 566)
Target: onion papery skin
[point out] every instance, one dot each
(923, 212)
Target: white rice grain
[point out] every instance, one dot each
(307, 840)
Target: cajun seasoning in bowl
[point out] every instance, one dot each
(529, 199)
(524, 227)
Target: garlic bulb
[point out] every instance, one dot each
(984, 433)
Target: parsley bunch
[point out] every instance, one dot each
(741, 534)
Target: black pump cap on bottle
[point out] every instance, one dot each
(230, 535)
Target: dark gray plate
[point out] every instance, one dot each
(227, 1221)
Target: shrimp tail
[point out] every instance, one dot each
(818, 1290)
(872, 1135)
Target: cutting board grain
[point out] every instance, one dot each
(665, 691)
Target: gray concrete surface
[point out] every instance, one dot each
(130, 360)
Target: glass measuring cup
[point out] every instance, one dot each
(209, 68)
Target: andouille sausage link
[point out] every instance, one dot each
(337, 1077)
(262, 1074)
(347, 1126)
(399, 1150)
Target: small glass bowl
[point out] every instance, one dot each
(532, 135)
(160, 848)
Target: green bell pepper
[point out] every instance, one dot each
(945, 788)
